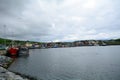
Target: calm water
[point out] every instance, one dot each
(79, 63)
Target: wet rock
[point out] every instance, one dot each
(7, 75)
(5, 61)
(4, 73)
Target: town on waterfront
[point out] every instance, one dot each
(38, 45)
(59, 40)
(6, 61)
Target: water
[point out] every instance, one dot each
(78, 63)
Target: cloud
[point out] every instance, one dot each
(59, 20)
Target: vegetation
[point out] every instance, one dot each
(113, 42)
(8, 41)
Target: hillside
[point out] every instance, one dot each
(8, 41)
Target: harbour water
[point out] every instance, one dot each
(75, 63)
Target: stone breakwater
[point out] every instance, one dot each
(4, 73)
(7, 75)
(5, 61)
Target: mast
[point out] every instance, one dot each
(4, 35)
(12, 40)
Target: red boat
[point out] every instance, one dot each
(12, 51)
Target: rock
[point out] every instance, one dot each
(5, 61)
(4, 73)
(7, 75)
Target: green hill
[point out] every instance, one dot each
(9, 41)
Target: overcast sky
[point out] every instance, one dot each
(59, 20)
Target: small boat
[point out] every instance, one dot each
(20, 51)
(23, 51)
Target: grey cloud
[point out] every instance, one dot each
(50, 20)
(12, 7)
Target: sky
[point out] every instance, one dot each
(59, 20)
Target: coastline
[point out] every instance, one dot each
(5, 74)
(8, 75)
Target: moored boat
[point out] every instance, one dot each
(23, 51)
(17, 51)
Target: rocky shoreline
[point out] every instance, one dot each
(5, 74)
